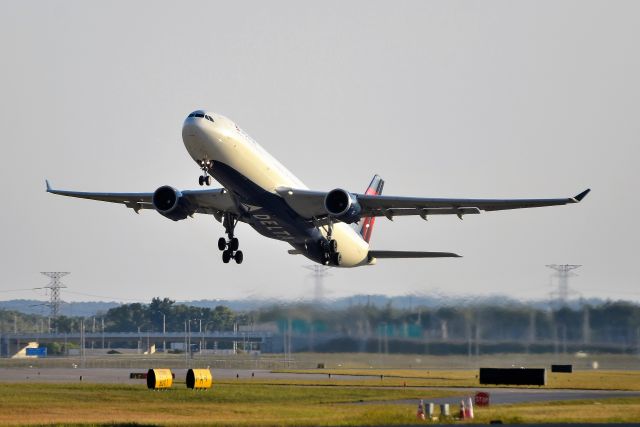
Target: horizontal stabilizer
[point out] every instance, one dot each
(411, 254)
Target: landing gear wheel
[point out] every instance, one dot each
(230, 247)
(234, 244)
(333, 246)
(336, 258)
(205, 178)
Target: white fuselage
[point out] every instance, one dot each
(222, 141)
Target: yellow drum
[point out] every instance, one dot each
(199, 379)
(159, 378)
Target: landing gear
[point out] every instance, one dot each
(234, 244)
(205, 178)
(222, 243)
(336, 258)
(230, 247)
(330, 254)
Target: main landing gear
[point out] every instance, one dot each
(329, 246)
(230, 247)
(205, 178)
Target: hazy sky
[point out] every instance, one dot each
(442, 99)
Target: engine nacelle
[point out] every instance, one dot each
(170, 203)
(343, 206)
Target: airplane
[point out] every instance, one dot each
(328, 227)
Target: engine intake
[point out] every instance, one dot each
(170, 203)
(342, 205)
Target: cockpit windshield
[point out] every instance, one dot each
(201, 115)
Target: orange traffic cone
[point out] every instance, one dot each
(469, 409)
(420, 413)
(462, 410)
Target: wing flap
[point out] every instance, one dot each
(381, 203)
(143, 200)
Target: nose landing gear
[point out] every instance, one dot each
(230, 247)
(205, 178)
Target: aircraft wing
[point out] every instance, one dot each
(310, 204)
(412, 254)
(209, 201)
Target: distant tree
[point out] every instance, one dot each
(128, 317)
(159, 309)
(222, 318)
(64, 324)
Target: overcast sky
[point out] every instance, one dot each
(442, 99)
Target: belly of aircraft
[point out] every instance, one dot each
(269, 225)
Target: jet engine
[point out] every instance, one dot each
(170, 203)
(342, 205)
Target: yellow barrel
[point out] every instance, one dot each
(159, 378)
(199, 379)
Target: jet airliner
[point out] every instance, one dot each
(329, 227)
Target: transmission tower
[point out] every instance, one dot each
(319, 272)
(563, 272)
(54, 289)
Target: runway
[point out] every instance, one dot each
(121, 376)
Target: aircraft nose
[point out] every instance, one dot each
(190, 127)
(196, 122)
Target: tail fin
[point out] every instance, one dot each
(375, 188)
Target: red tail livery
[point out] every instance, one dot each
(374, 189)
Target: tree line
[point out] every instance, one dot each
(152, 317)
(611, 322)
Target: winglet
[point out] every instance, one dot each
(582, 195)
(48, 185)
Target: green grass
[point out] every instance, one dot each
(262, 403)
(616, 410)
(227, 403)
(585, 380)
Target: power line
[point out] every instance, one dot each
(103, 296)
(19, 290)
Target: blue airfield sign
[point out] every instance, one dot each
(39, 352)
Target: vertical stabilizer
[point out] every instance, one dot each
(366, 224)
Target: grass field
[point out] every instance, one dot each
(585, 380)
(355, 400)
(248, 402)
(238, 403)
